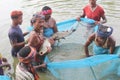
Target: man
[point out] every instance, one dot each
(50, 26)
(25, 70)
(103, 42)
(16, 36)
(94, 11)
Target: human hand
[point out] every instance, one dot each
(44, 65)
(51, 40)
(49, 49)
(98, 22)
(4, 59)
(78, 18)
(26, 41)
(7, 65)
(89, 55)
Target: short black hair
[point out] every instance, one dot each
(24, 52)
(46, 8)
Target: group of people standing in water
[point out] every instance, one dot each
(28, 51)
(44, 26)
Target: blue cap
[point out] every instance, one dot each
(104, 31)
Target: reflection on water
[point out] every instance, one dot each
(62, 10)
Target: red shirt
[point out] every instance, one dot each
(94, 14)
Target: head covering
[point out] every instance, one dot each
(16, 14)
(35, 16)
(46, 10)
(26, 54)
(104, 31)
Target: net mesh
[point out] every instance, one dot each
(99, 67)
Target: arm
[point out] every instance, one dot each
(88, 42)
(15, 44)
(55, 27)
(102, 15)
(112, 46)
(5, 63)
(104, 20)
(32, 40)
(40, 66)
(24, 34)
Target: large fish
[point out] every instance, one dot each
(44, 47)
(56, 36)
(63, 34)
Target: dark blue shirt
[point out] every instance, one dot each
(15, 34)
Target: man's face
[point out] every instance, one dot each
(101, 39)
(47, 16)
(92, 2)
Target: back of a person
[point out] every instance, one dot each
(15, 33)
(22, 73)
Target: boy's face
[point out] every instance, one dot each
(39, 24)
(20, 20)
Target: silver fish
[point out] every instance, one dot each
(56, 36)
(62, 35)
(44, 47)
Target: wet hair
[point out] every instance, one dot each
(24, 52)
(15, 14)
(46, 8)
(35, 16)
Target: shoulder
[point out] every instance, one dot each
(23, 73)
(32, 34)
(87, 6)
(91, 37)
(100, 7)
(12, 32)
(111, 39)
(52, 19)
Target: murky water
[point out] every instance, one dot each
(71, 47)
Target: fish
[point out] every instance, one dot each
(44, 48)
(62, 34)
(56, 36)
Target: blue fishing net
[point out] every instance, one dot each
(67, 25)
(4, 77)
(99, 67)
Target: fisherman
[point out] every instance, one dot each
(103, 42)
(16, 36)
(95, 12)
(25, 70)
(36, 38)
(50, 26)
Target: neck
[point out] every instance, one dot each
(14, 24)
(37, 31)
(93, 5)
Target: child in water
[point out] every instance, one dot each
(3, 64)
